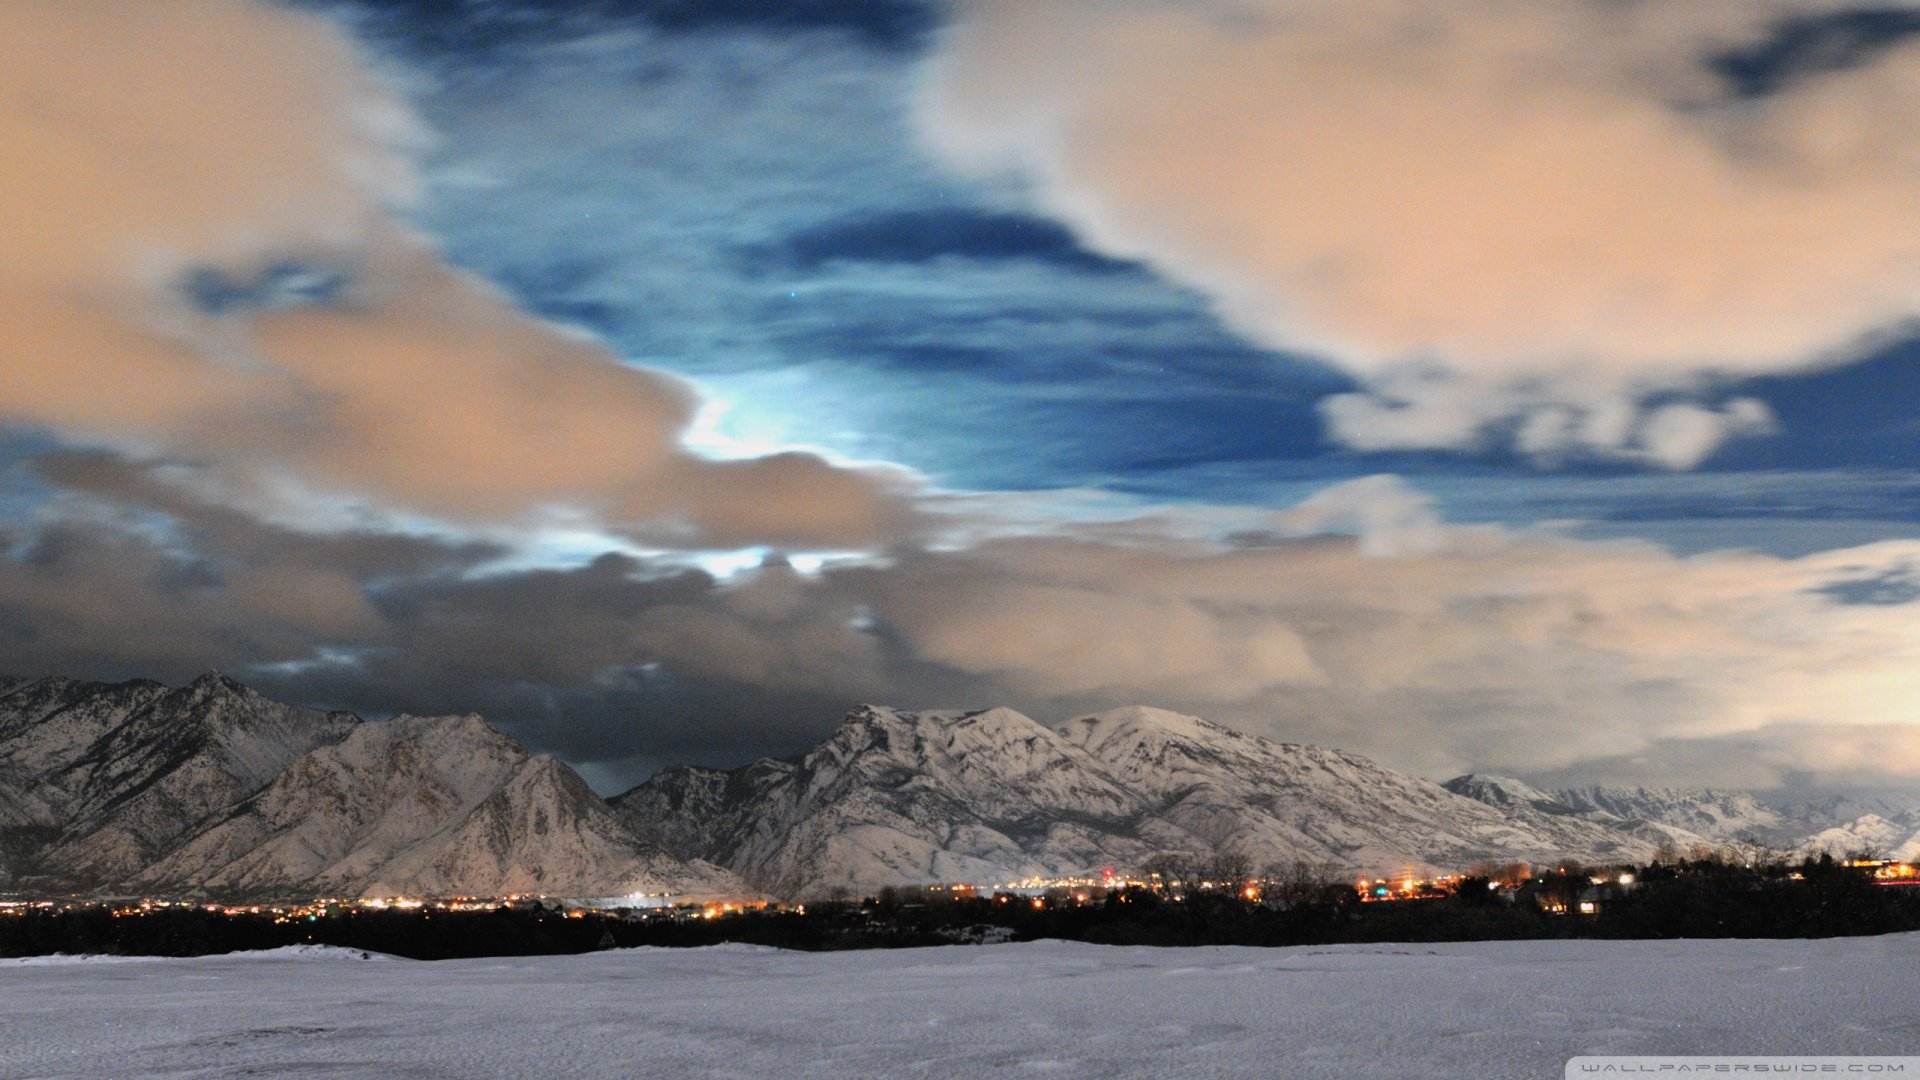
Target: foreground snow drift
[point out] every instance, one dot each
(1495, 1009)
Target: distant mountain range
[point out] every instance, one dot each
(212, 790)
(995, 796)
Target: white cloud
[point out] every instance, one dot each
(1554, 210)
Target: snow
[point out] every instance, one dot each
(902, 798)
(312, 952)
(1488, 1009)
(61, 959)
(1896, 838)
(285, 952)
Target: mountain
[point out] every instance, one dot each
(211, 789)
(1661, 819)
(1285, 800)
(109, 777)
(1709, 813)
(898, 797)
(426, 806)
(1684, 820)
(1894, 837)
(1508, 793)
(895, 797)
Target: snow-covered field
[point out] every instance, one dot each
(1503, 1009)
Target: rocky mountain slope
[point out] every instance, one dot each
(101, 780)
(1895, 836)
(1687, 820)
(896, 797)
(212, 789)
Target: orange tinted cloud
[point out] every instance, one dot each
(1553, 208)
(204, 260)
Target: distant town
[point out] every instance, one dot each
(1178, 901)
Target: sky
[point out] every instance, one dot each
(1517, 387)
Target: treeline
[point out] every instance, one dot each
(1698, 898)
(417, 934)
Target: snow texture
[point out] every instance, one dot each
(897, 797)
(1684, 820)
(1894, 837)
(212, 790)
(1487, 1010)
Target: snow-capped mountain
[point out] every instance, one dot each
(1894, 837)
(1294, 801)
(1684, 821)
(895, 797)
(900, 797)
(104, 779)
(1517, 796)
(427, 805)
(212, 789)
(1713, 814)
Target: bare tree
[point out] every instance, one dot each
(1509, 874)
(1760, 854)
(1176, 872)
(1227, 870)
(1302, 879)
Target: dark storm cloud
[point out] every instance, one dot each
(1358, 619)
(128, 574)
(131, 572)
(136, 570)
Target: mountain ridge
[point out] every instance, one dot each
(212, 790)
(884, 800)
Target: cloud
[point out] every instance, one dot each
(209, 263)
(1563, 226)
(1356, 619)
(826, 285)
(1438, 647)
(213, 282)
(1385, 512)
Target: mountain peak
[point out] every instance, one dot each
(911, 735)
(212, 681)
(1496, 789)
(1137, 725)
